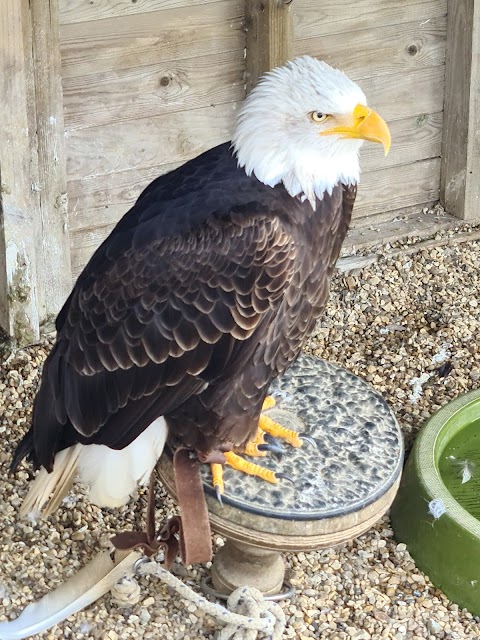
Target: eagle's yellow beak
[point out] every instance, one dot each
(367, 125)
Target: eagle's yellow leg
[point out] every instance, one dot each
(268, 403)
(239, 464)
(252, 449)
(265, 425)
(217, 477)
(250, 468)
(274, 428)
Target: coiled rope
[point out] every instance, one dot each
(247, 614)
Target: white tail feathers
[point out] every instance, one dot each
(112, 475)
(48, 489)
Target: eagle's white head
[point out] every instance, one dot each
(303, 125)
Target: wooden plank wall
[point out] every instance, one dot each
(395, 50)
(18, 169)
(460, 181)
(150, 84)
(147, 86)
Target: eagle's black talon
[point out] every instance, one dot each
(218, 493)
(308, 439)
(268, 438)
(283, 476)
(271, 448)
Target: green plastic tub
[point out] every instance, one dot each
(437, 508)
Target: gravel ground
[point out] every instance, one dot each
(385, 323)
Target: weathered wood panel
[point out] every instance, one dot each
(269, 37)
(123, 95)
(125, 127)
(414, 138)
(103, 199)
(97, 202)
(413, 93)
(407, 224)
(132, 41)
(18, 205)
(379, 191)
(174, 137)
(168, 138)
(398, 187)
(314, 18)
(84, 243)
(461, 145)
(85, 10)
(53, 244)
(146, 87)
(393, 49)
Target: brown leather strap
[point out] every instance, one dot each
(189, 533)
(195, 538)
(146, 540)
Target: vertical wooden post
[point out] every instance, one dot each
(269, 36)
(18, 300)
(460, 183)
(54, 276)
(35, 271)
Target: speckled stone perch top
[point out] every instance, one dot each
(357, 457)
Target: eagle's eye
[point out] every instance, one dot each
(317, 116)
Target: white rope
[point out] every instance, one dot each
(126, 592)
(248, 613)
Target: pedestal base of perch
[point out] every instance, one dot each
(238, 564)
(343, 485)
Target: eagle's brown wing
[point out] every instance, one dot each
(157, 325)
(210, 271)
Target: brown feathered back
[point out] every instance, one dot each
(203, 293)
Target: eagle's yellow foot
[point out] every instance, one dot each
(240, 464)
(217, 480)
(266, 424)
(268, 403)
(250, 468)
(258, 447)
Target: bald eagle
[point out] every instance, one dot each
(204, 292)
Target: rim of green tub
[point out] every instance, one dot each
(431, 442)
